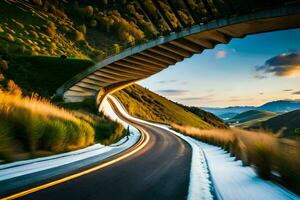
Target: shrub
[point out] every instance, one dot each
(263, 159)
(13, 89)
(3, 64)
(51, 28)
(10, 38)
(79, 36)
(82, 28)
(89, 10)
(94, 23)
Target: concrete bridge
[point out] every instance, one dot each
(142, 61)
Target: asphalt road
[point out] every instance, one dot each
(159, 171)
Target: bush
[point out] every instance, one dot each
(3, 64)
(263, 159)
(79, 36)
(89, 10)
(94, 23)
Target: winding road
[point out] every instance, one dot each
(160, 170)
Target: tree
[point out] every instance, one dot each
(94, 23)
(89, 10)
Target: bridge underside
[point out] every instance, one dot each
(139, 63)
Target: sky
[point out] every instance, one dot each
(250, 71)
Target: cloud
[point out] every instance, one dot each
(287, 90)
(172, 92)
(287, 64)
(259, 76)
(296, 93)
(221, 54)
(207, 97)
(167, 81)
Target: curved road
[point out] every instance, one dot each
(159, 171)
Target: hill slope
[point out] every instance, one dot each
(248, 118)
(147, 105)
(288, 124)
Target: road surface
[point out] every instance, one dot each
(159, 171)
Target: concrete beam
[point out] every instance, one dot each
(83, 89)
(117, 76)
(187, 45)
(148, 65)
(104, 78)
(115, 70)
(133, 66)
(87, 85)
(177, 50)
(123, 69)
(159, 57)
(167, 53)
(215, 36)
(150, 60)
(93, 82)
(77, 93)
(202, 42)
(101, 78)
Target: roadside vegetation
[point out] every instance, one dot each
(274, 158)
(147, 105)
(33, 127)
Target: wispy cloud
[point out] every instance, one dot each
(296, 93)
(221, 54)
(172, 92)
(287, 64)
(259, 76)
(196, 98)
(287, 90)
(167, 81)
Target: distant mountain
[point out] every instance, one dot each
(248, 118)
(221, 112)
(287, 124)
(227, 116)
(280, 106)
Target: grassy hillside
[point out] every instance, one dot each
(32, 127)
(147, 105)
(287, 124)
(248, 118)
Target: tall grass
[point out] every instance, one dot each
(266, 152)
(36, 125)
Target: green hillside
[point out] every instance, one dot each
(249, 118)
(144, 104)
(287, 124)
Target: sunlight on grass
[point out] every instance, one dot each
(29, 124)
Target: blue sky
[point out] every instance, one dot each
(248, 71)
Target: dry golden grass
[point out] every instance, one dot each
(35, 124)
(267, 152)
